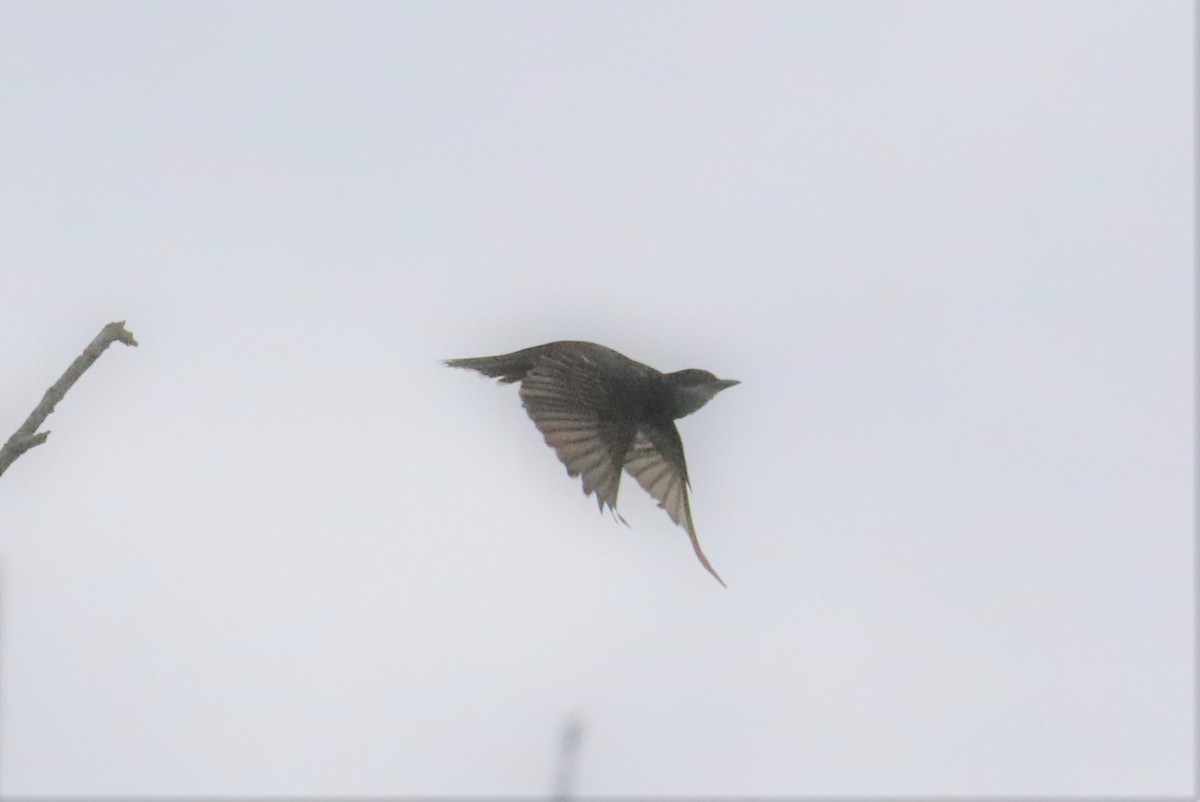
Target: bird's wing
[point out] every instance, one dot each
(656, 462)
(565, 397)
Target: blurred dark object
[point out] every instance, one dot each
(568, 759)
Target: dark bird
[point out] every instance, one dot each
(602, 412)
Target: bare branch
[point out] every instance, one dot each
(28, 435)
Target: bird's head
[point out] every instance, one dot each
(694, 388)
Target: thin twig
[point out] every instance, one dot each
(28, 435)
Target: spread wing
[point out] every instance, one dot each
(656, 462)
(564, 395)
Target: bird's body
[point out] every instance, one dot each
(602, 413)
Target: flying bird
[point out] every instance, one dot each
(602, 413)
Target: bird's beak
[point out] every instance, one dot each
(725, 384)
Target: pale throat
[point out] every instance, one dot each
(691, 398)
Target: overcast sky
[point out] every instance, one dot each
(280, 549)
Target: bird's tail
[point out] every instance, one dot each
(508, 368)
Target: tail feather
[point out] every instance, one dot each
(508, 368)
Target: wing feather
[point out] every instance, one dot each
(656, 461)
(566, 400)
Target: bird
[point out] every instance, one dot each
(604, 413)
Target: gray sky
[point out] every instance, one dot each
(280, 549)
